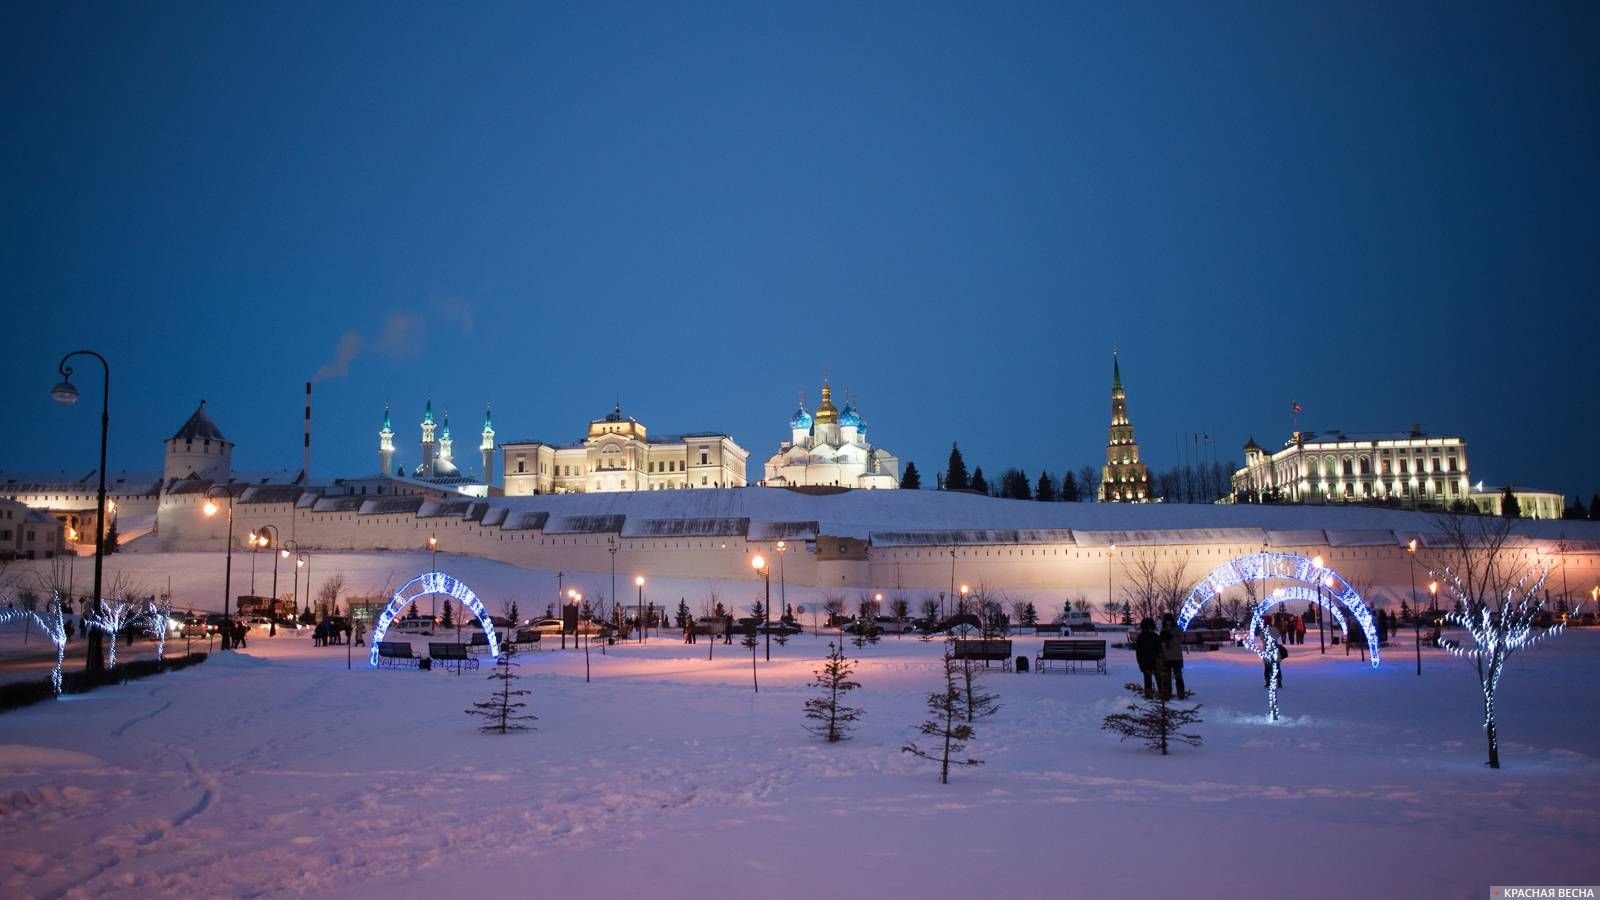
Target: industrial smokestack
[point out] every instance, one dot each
(305, 465)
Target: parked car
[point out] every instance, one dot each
(419, 625)
(780, 628)
(553, 626)
(194, 627)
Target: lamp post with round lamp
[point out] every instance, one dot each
(759, 563)
(638, 582)
(267, 544)
(210, 509)
(66, 393)
(1317, 562)
(783, 593)
(1416, 614)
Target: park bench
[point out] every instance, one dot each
(1072, 652)
(451, 654)
(987, 651)
(396, 655)
(480, 642)
(528, 635)
(1206, 638)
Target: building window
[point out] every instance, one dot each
(520, 466)
(704, 456)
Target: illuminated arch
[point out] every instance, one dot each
(1282, 567)
(422, 586)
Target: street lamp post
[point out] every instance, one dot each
(1321, 646)
(1416, 614)
(66, 393)
(613, 548)
(952, 584)
(638, 582)
(1110, 552)
(783, 592)
(272, 613)
(211, 509)
(433, 566)
(760, 565)
(304, 559)
(961, 608)
(254, 546)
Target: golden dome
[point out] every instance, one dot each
(826, 413)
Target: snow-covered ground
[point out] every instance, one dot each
(275, 771)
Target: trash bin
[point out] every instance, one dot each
(1022, 664)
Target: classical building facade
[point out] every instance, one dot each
(1125, 478)
(830, 448)
(1414, 468)
(619, 454)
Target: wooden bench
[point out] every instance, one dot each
(529, 636)
(396, 655)
(986, 650)
(1206, 638)
(1070, 653)
(480, 643)
(451, 654)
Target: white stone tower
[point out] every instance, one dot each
(487, 447)
(386, 445)
(428, 446)
(445, 455)
(198, 450)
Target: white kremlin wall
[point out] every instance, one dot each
(868, 540)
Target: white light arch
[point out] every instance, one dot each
(1258, 567)
(433, 583)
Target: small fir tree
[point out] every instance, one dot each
(1156, 721)
(500, 710)
(412, 612)
(911, 479)
(831, 719)
(113, 542)
(1069, 488)
(1510, 506)
(955, 476)
(978, 482)
(1030, 616)
(449, 618)
(976, 700)
(683, 613)
(1046, 488)
(946, 727)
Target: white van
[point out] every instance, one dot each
(419, 625)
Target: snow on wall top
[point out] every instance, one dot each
(1365, 537)
(685, 527)
(972, 536)
(1155, 537)
(783, 531)
(600, 524)
(391, 506)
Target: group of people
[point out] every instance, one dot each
(329, 633)
(1160, 657)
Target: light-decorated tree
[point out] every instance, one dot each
(53, 622)
(501, 711)
(156, 620)
(830, 717)
(1495, 598)
(946, 726)
(1154, 720)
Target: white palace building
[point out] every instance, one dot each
(830, 449)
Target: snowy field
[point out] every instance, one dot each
(274, 771)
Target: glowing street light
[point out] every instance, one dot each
(1416, 614)
(1321, 645)
(211, 509)
(638, 582)
(66, 393)
(759, 563)
(266, 543)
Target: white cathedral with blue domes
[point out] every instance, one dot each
(830, 449)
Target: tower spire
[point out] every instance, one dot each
(1125, 478)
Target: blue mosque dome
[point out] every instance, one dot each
(802, 419)
(849, 417)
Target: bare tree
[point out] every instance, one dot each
(1141, 585)
(328, 594)
(1497, 599)
(1173, 584)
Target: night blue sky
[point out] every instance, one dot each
(1385, 212)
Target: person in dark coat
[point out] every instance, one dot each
(1172, 657)
(1147, 650)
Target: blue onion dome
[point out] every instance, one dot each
(802, 419)
(849, 417)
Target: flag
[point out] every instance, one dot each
(1296, 408)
